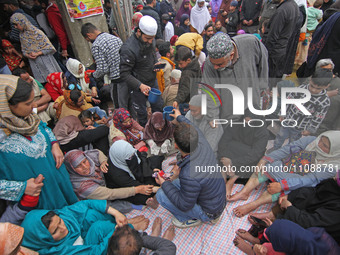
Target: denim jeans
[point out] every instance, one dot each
(286, 132)
(5, 70)
(194, 213)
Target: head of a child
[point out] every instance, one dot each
(317, 4)
(86, 118)
(325, 63)
(183, 57)
(233, 6)
(321, 80)
(264, 26)
(186, 138)
(125, 240)
(55, 225)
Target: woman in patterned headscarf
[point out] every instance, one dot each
(28, 147)
(36, 47)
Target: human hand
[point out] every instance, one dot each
(175, 105)
(245, 22)
(333, 93)
(96, 101)
(282, 198)
(64, 54)
(103, 120)
(227, 20)
(285, 203)
(145, 89)
(34, 185)
(175, 170)
(144, 189)
(226, 161)
(159, 180)
(90, 127)
(94, 92)
(268, 221)
(175, 114)
(103, 167)
(55, 105)
(260, 249)
(224, 13)
(274, 187)
(165, 146)
(305, 133)
(250, 22)
(57, 155)
(213, 124)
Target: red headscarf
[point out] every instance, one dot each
(12, 60)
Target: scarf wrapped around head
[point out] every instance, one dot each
(333, 157)
(135, 19)
(183, 11)
(69, 103)
(151, 131)
(25, 126)
(120, 151)
(55, 80)
(12, 60)
(72, 66)
(84, 185)
(199, 17)
(290, 238)
(119, 116)
(31, 39)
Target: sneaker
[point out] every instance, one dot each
(186, 224)
(215, 221)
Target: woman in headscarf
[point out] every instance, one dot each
(223, 12)
(36, 47)
(199, 16)
(128, 168)
(286, 237)
(215, 7)
(56, 84)
(28, 147)
(82, 228)
(192, 3)
(71, 134)
(184, 26)
(135, 20)
(126, 128)
(184, 9)
(11, 56)
(77, 74)
(158, 134)
(86, 173)
(10, 240)
(303, 163)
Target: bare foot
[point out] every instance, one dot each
(243, 210)
(262, 216)
(245, 235)
(136, 219)
(156, 227)
(169, 233)
(242, 245)
(229, 186)
(152, 202)
(238, 196)
(142, 225)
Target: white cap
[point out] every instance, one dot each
(148, 25)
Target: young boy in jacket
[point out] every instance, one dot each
(298, 124)
(232, 19)
(191, 74)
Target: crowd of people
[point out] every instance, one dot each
(203, 85)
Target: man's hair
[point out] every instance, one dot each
(75, 95)
(88, 28)
(183, 54)
(324, 62)
(318, 3)
(18, 71)
(164, 48)
(46, 219)
(125, 241)
(265, 24)
(149, 2)
(322, 77)
(186, 137)
(44, 2)
(206, 27)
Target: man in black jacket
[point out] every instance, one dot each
(150, 10)
(250, 12)
(280, 29)
(137, 60)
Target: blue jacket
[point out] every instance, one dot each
(205, 188)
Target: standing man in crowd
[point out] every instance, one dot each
(138, 57)
(249, 16)
(280, 28)
(105, 50)
(150, 10)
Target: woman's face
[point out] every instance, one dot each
(87, 122)
(186, 22)
(57, 228)
(19, 27)
(324, 144)
(80, 70)
(127, 122)
(201, 4)
(23, 109)
(186, 5)
(8, 50)
(83, 168)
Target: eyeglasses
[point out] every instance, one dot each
(73, 87)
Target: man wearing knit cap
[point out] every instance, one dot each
(137, 72)
(241, 61)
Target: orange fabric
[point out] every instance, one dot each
(10, 237)
(302, 37)
(160, 80)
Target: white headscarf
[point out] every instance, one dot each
(72, 66)
(333, 157)
(199, 17)
(120, 151)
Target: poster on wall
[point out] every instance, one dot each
(79, 9)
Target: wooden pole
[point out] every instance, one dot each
(119, 19)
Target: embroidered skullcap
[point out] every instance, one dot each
(219, 46)
(148, 25)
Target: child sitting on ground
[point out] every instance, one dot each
(87, 117)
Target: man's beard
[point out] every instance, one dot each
(145, 48)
